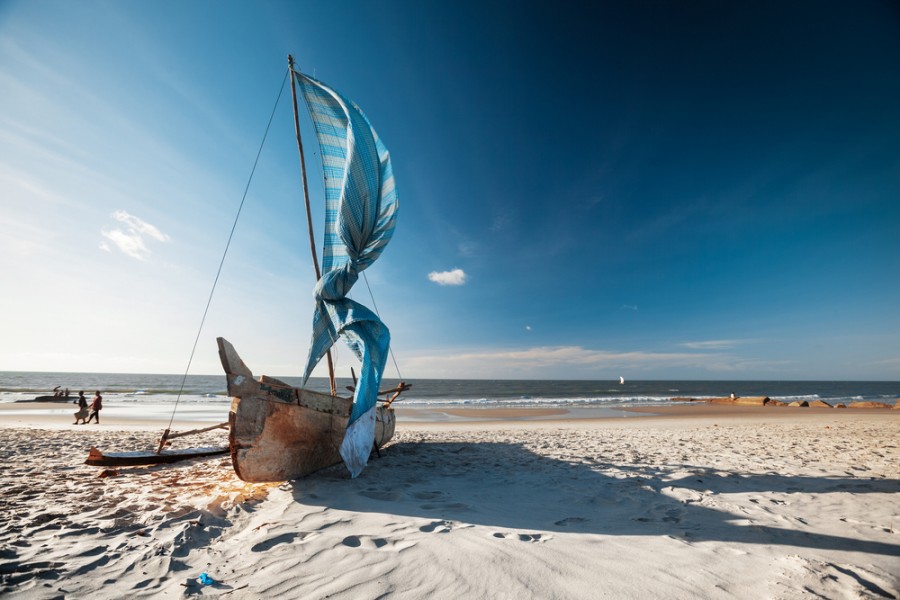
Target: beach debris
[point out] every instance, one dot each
(109, 473)
(205, 579)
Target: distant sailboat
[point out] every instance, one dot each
(621, 380)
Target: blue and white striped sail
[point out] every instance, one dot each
(360, 215)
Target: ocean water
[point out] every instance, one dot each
(208, 391)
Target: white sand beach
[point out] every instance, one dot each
(703, 502)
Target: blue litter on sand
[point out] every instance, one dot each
(205, 579)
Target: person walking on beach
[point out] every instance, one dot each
(82, 413)
(96, 407)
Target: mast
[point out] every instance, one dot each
(312, 238)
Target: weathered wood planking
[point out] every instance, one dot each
(279, 432)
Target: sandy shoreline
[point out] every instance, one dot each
(724, 502)
(189, 416)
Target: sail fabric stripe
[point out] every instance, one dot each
(361, 205)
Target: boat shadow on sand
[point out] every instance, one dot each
(508, 486)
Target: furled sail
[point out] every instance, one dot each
(360, 214)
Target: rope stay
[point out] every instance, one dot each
(375, 306)
(222, 262)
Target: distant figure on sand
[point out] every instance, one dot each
(96, 407)
(56, 392)
(82, 413)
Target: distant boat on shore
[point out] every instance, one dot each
(49, 399)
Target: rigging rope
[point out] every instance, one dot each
(375, 306)
(224, 254)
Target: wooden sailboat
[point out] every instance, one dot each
(279, 432)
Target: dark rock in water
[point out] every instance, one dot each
(820, 404)
(686, 400)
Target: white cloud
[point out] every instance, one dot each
(131, 241)
(528, 328)
(454, 277)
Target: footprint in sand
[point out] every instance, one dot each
(380, 495)
(427, 495)
(672, 516)
(524, 537)
(354, 541)
(570, 521)
(437, 527)
(263, 546)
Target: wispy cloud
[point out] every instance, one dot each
(553, 356)
(503, 220)
(453, 277)
(566, 361)
(468, 248)
(889, 362)
(131, 241)
(712, 344)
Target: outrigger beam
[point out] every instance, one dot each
(166, 436)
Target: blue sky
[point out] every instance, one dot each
(704, 190)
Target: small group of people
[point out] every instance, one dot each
(60, 393)
(85, 413)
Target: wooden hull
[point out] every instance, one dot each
(279, 432)
(97, 458)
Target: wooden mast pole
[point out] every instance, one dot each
(312, 238)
